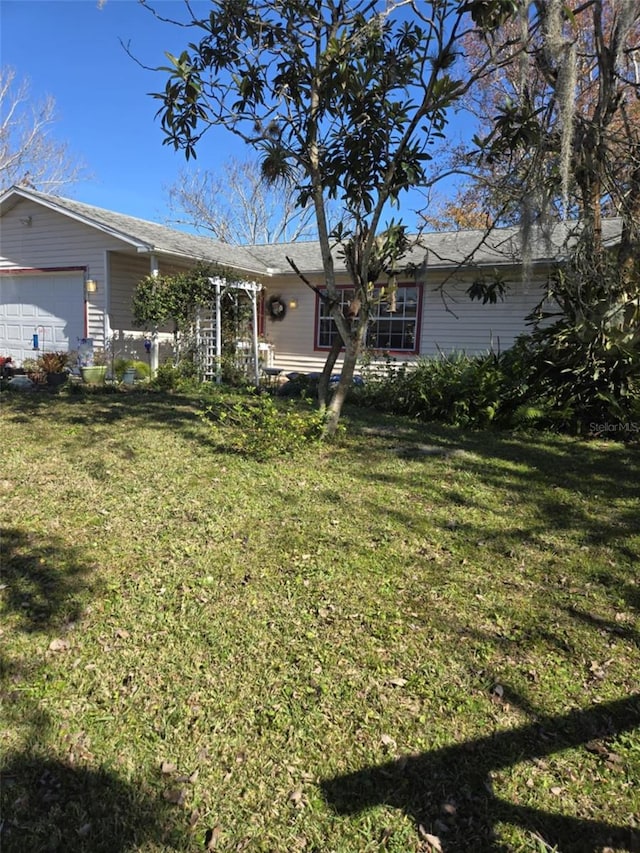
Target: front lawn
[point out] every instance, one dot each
(415, 638)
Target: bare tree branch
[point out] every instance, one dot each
(237, 206)
(29, 156)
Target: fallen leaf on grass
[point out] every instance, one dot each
(175, 796)
(167, 768)
(597, 746)
(212, 837)
(397, 682)
(58, 645)
(295, 797)
(611, 758)
(190, 778)
(387, 740)
(556, 790)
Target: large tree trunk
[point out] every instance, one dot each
(340, 395)
(352, 351)
(327, 370)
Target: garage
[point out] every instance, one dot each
(49, 304)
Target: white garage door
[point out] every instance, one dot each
(50, 305)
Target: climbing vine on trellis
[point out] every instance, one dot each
(162, 299)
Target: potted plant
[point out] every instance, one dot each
(6, 367)
(94, 374)
(128, 371)
(54, 367)
(129, 376)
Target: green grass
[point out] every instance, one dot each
(345, 648)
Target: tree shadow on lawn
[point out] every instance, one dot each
(534, 470)
(56, 806)
(448, 791)
(60, 803)
(48, 803)
(45, 581)
(99, 407)
(616, 629)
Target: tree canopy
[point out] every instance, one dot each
(351, 98)
(560, 125)
(563, 142)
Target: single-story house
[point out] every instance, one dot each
(68, 271)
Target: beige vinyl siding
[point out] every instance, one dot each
(126, 269)
(291, 362)
(52, 241)
(293, 338)
(33, 238)
(452, 322)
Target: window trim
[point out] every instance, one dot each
(399, 352)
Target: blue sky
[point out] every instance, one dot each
(71, 49)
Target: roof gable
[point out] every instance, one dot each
(144, 236)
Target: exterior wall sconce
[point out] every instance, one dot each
(293, 303)
(91, 285)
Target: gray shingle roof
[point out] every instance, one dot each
(440, 250)
(149, 236)
(448, 249)
(444, 249)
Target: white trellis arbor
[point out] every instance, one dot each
(208, 331)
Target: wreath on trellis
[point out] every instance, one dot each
(277, 307)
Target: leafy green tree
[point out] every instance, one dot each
(351, 97)
(565, 143)
(560, 125)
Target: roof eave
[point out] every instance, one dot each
(170, 253)
(471, 265)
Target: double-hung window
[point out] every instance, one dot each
(394, 325)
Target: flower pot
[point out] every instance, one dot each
(129, 376)
(55, 379)
(94, 375)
